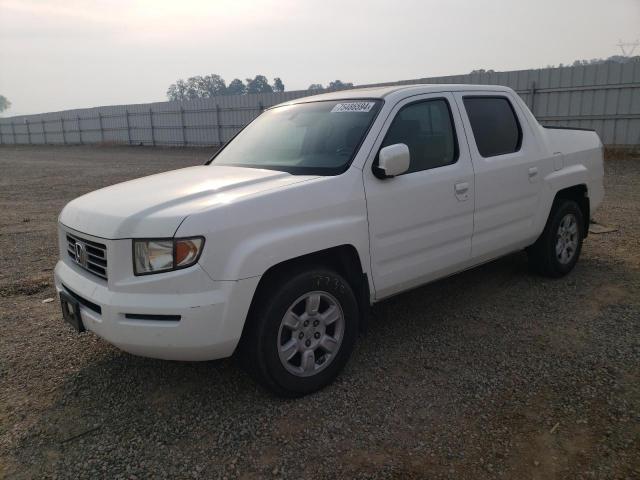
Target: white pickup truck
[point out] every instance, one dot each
(276, 248)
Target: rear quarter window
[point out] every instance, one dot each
(495, 125)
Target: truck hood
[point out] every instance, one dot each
(155, 206)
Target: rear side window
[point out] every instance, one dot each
(427, 129)
(494, 124)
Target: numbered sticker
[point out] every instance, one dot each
(352, 107)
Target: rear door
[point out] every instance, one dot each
(421, 222)
(507, 177)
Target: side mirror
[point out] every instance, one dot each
(392, 160)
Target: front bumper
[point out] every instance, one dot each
(212, 314)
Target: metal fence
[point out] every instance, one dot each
(604, 97)
(200, 122)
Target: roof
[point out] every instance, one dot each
(395, 90)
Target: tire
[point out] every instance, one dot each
(557, 250)
(321, 317)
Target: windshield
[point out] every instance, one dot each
(317, 138)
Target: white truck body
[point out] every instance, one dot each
(406, 231)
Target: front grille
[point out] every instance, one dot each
(87, 254)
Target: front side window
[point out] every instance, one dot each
(427, 129)
(494, 124)
(315, 138)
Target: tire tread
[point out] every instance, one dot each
(541, 254)
(252, 347)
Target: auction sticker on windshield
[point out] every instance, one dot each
(352, 107)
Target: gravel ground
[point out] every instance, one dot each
(493, 373)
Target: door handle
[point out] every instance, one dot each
(461, 189)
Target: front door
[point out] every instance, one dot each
(421, 222)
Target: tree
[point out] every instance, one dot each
(339, 85)
(259, 84)
(4, 103)
(278, 86)
(315, 87)
(210, 86)
(177, 91)
(193, 90)
(612, 58)
(236, 87)
(197, 87)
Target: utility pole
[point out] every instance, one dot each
(628, 47)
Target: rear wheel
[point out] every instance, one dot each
(557, 250)
(300, 331)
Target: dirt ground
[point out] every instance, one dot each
(493, 373)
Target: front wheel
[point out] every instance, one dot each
(557, 250)
(300, 331)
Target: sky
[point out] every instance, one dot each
(57, 55)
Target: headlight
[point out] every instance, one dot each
(165, 254)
